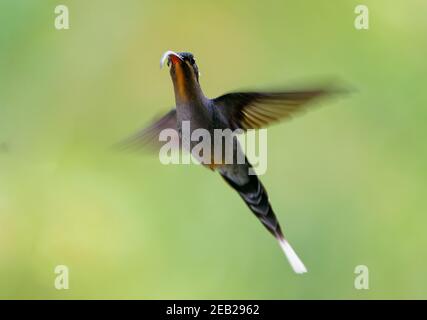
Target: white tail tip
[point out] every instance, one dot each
(293, 259)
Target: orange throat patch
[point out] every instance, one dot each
(180, 82)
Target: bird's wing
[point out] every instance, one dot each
(254, 110)
(149, 136)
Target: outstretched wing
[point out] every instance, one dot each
(254, 110)
(149, 136)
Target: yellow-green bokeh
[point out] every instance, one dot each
(348, 181)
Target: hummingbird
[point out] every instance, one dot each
(236, 111)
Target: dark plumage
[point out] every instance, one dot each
(238, 110)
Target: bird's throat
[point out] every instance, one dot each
(186, 87)
(181, 90)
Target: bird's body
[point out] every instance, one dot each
(242, 110)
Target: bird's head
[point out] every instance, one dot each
(181, 62)
(183, 70)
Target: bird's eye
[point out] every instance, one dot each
(192, 61)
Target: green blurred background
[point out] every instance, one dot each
(348, 180)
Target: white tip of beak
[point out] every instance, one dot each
(166, 55)
(295, 262)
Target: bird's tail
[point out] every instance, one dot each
(255, 196)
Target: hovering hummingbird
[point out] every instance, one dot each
(237, 110)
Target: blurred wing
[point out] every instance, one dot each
(254, 110)
(149, 136)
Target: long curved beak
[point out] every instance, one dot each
(168, 56)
